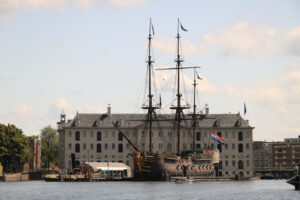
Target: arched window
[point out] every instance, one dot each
(120, 148)
(120, 136)
(240, 136)
(77, 148)
(241, 164)
(240, 148)
(99, 136)
(198, 146)
(98, 148)
(198, 136)
(77, 136)
(219, 146)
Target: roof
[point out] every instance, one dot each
(164, 120)
(108, 166)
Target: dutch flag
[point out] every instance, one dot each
(217, 138)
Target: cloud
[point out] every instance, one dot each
(246, 39)
(62, 105)
(22, 112)
(292, 41)
(282, 95)
(8, 8)
(166, 80)
(168, 45)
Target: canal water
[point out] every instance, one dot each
(40, 190)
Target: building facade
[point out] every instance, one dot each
(92, 137)
(263, 157)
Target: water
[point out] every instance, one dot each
(40, 190)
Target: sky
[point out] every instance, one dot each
(81, 55)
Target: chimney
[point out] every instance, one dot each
(206, 109)
(108, 110)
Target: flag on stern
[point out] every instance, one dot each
(217, 138)
(245, 109)
(198, 76)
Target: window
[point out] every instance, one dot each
(198, 146)
(198, 136)
(247, 146)
(233, 134)
(226, 135)
(92, 134)
(84, 133)
(233, 146)
(98, 148)
(70, 133)
(159, 133)
(92, 146)
(160, 146)
(105, 146)
(220, 165)
(84, 146)
(77, 148)
(99, 136)
(241, 164)
(226, 146)
(240, 136)
(212, 146)
(240, 148)
(169, 134)
(120, 136)
(247, 163)
(113, 146)
(219, 146)
(113, 134)
(169, 146)
(233, 163)
(70, 146)
(219, 134)
(77, 136)
(120, 148)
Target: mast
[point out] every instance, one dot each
(194, 111)
(150, 107)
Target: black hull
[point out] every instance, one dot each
(295, 181)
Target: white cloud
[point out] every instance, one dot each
(292, 41)
(22, 112)
(168, 45)
(282, 95)
(62, 105)
(9, 7)
(247, 39)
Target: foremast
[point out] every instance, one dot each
(151, 109)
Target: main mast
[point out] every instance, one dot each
(178, 108)
(150, 107)
(194, 111)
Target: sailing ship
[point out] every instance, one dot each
(151, 165)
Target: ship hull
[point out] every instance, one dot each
(160, 168)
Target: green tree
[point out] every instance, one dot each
(49, 138)
(14, 150)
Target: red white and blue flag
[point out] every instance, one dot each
(217, 138)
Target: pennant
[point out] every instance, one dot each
(152, 29)
(245, 109)
(182, 27)
(217, 138)
(198, 76)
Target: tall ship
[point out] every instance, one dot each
(195, 162)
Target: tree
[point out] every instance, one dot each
(14, 150)
(49, 139)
